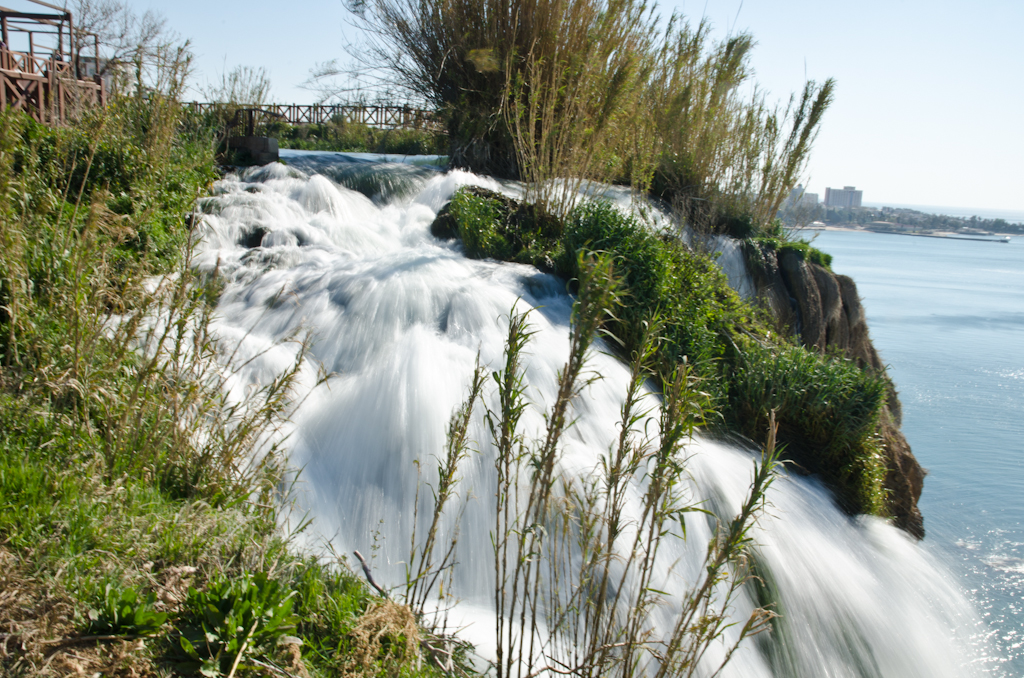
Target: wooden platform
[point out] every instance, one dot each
(44, 88)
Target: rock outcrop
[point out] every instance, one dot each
(824, 310)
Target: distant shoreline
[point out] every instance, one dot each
(946, 235)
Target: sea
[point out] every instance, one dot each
(947, 316)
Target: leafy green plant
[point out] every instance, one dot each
(125, 611)
(802, 248)
(827, 411)
(232, 617)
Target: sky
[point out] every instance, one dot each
(929, 105)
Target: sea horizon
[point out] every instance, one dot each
(1011, 216)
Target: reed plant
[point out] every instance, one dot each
(560, 93)
(573, 94)
(576, 569)
(537, 89)
(726, 160)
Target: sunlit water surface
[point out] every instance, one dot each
(948, 318)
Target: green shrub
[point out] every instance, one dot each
(802, 248)
(480, 225)
(358, 138)
(661, 276)
(243, 614)
(125, 611)
(827, 411)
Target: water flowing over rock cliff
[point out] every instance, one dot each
(343, 249)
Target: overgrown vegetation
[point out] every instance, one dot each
(612, 93)
(353, 137)
(827, 409)
(138, 496)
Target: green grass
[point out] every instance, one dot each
(133, 495)
(826, 408)
(802, 248)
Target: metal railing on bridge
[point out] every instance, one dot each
(385, 117)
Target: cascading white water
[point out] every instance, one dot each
(400, 317)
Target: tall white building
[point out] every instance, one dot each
(799, 196)
(847, 196)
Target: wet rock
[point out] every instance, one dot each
(444, 225)
(904, 479)
(253, 238)
(831, 306)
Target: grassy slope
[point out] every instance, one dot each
(130, 508)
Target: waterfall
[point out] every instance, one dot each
(340, 247)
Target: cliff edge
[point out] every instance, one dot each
(825, 312)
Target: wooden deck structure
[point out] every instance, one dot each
(49, 88)
(385, 117)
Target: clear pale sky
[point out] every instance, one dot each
(929, 105)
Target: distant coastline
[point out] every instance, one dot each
(944, 235)
(1011, 216)
(904, 220)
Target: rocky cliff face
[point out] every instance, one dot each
(824, 311)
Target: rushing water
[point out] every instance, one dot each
(341, 247)
(948, 318)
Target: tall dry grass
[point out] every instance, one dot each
(725, 153)
(576, 567)
(562, 92)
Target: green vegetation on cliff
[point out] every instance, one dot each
(827, 408)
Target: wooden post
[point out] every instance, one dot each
(3, 20)
(31, 45)
(51, 107)
(72, 47)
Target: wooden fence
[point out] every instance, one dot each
(45, 88)
(386, 117)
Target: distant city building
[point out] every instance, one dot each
(847, 196)
(798, 196)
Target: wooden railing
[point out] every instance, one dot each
(387, 117)
(45, 88)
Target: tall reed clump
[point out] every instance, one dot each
(537, 89)
(577, 571)
(725, 160)
(563, 92)
(573, 95)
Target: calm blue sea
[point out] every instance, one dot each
(948, 318)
